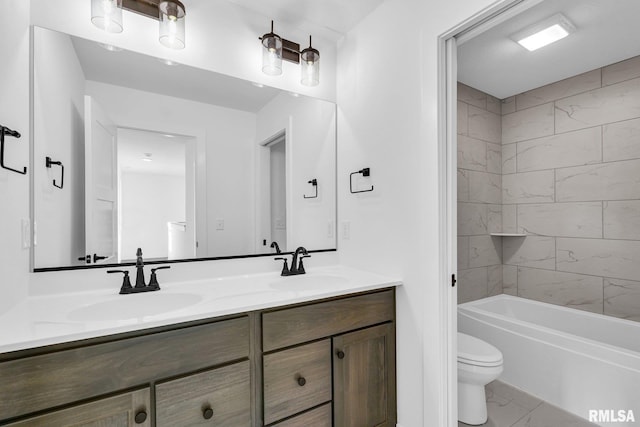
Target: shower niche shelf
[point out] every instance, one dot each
(508, 234)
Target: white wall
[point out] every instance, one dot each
(59, 129)
(387, 120)
(311, 152)
(221, 37)
(148, 202)
(226, 137)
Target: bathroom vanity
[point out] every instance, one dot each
(326, 361)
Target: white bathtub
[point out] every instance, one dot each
(573, 359)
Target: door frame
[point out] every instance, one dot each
(447, 189)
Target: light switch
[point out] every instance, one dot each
(330, 229)
(346, 230)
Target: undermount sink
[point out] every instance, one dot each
(134, 306)
(306, 283)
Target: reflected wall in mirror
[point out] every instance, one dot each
(183, 162)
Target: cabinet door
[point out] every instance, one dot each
(128, 409)
(219, 397)
(364, 378)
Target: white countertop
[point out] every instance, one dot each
(54, 319)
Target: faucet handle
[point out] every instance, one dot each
(126, 282)
(301, 265)
(153, 280)
(285, 266)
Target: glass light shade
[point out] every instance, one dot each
(272, 54)
(310, 67)
(172, 24)
(107, 15)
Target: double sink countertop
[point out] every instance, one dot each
(54, 319)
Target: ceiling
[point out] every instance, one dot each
(146, 73)
(606, 32)
(330, 19)
(166, 151)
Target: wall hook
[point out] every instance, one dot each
(8, 132)
(51, 162)
(364, 172)
(313, 182)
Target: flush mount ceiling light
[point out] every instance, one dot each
(275, 49)
(544, 33)
(107, 15)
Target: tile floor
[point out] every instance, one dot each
(511, 407)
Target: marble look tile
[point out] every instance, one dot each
(577, 148)
(546, 415)
(621, 71)
(622, 299)
(528, 187)
(484, 251)
(514, 394)
(484, 125)
(502, 411)
(508, 105)
(485, 187)
(606, 181)
(463, 185)
(494, 218)
(510, 279)
(494, 277)
(622, 220)
(601, 106)
(620, 140)
(472, 219)
(463, 253)
(494, 158)
(472, 154)
(472, 96)
(509, 219)
(567, 87)
(561, 219)
(555, 287)
(619, 259)
(494, 105)
(509, 158)
(472, 284)
(463, 118)
(530, 251)
(527, 124)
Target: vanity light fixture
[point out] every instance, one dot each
(275, 49)
(544, 33)
(107, 15)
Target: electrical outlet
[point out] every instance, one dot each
(346, 230)
(219, 224)
(26, 233)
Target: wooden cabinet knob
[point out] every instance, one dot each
(301, 381)
(140, 417)
(340, 354)
(207, 413)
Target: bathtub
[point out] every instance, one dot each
(576, 360)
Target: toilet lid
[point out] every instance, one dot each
(474, 351)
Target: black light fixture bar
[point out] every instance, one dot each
(291, 51)
(148, 8)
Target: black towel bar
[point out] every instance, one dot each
(5, 131)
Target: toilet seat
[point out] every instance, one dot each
(473, 351)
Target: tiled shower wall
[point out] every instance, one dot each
(571, 182)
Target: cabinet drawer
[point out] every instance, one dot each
(45, 381)
(296, 325)
(116, 411)
(319, 417)
(296, 379)
(220, 397)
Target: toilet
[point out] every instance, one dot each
(479, 363)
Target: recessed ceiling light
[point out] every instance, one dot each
(257, 84)
(110, 47)
(147, 157)
(544, 33)
(167, 135)
(295, 95)
(168, 62)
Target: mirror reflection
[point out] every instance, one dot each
(182, 162)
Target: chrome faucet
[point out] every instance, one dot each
(297, 267)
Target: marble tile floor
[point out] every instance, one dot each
(511, 407)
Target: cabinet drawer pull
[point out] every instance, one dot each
(340, 354)
(140, 417)
(301, 381)
(207, 413)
